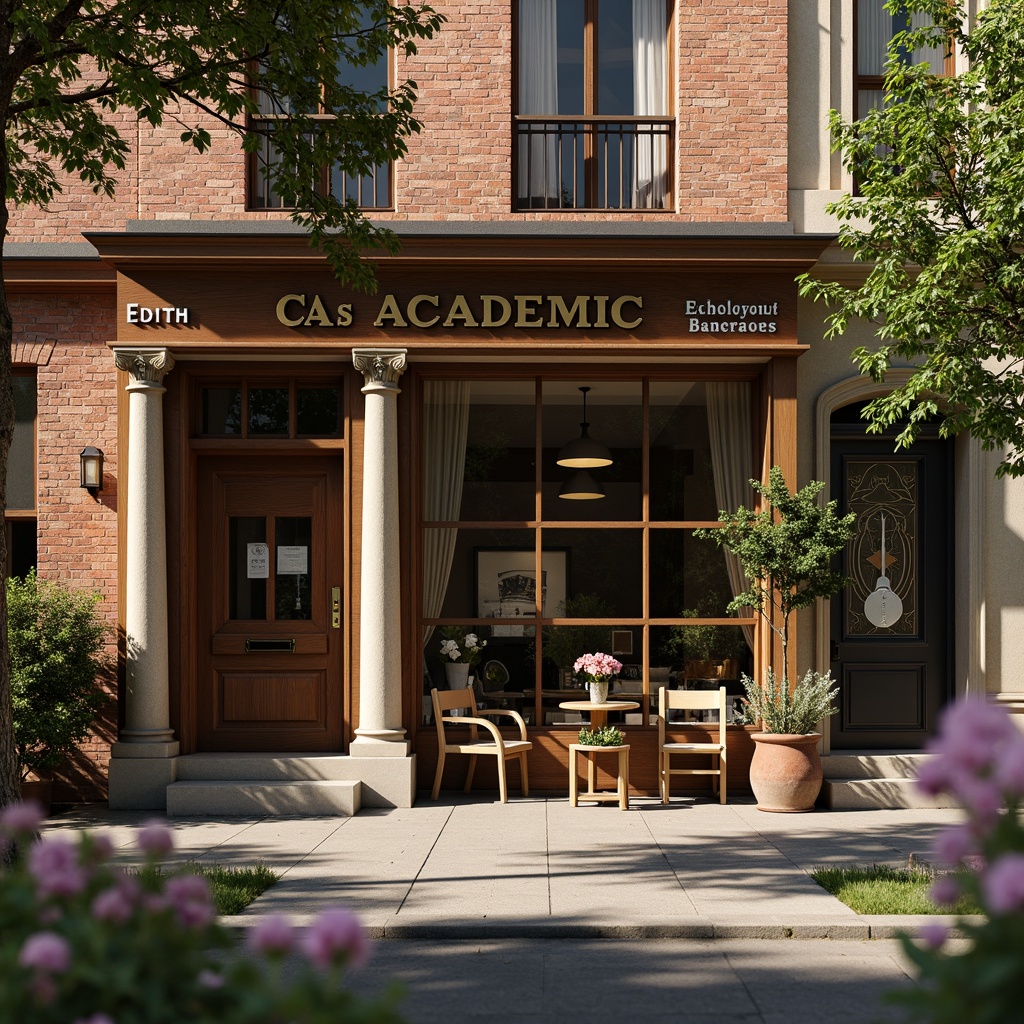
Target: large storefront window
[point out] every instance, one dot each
(548, 562)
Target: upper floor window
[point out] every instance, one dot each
(592, 126)
(369, 191)
(20, 517)
(875, 29)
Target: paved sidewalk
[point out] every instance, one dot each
(467, 867)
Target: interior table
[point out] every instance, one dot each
(599, 712)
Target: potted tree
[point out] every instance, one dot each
(57, 645)
(787, 551)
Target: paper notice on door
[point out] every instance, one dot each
(292, 559)
(257, 558)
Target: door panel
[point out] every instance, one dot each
(893, 677)
(269, 550)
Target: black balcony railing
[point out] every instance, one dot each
(594, 163)
(371, 191)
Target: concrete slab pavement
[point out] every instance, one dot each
(467, 867)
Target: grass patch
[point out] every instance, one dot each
(881, 889)
(232, 889)
(235, 888)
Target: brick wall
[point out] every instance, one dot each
(730, 102)
(76, 533)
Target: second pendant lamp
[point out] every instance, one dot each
(583, 453)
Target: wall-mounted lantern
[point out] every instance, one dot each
(91, 464)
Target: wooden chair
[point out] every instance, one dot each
(669, 700)
(495, 746)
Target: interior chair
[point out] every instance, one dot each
(494, 745)
(670, 700)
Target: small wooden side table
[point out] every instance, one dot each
(589, 752)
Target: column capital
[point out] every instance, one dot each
(380, 367)
(146, 365)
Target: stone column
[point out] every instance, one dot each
(143, 760)
(380, 732)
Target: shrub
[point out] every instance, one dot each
(57, 646)
(83, 941)
(979, 759)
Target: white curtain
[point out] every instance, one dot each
(445, 429)
(538, 96)
(650, 97)
(732, 460)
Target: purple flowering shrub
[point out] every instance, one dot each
(84, 942)
(979, 760)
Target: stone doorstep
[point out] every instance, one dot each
(251, 767)
(877, 794)
(883, 765)
(290, 798)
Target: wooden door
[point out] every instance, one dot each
(893, 678)
(269, 584)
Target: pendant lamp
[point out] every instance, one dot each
(581, 486)
(584, 452)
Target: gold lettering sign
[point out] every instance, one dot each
(487, 311)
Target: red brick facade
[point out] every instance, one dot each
(730, 104)
(729, 98)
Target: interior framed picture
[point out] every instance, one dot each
(506, 584)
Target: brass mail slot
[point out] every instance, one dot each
(252, 646)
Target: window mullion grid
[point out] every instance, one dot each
(590, 73)
(645, 513)
(538, 547)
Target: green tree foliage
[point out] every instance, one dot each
(787, 551)
(56, 642)
(939, 226)
(72, 69)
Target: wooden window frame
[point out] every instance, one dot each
(257, 203)
(590, 114)
(645, 525)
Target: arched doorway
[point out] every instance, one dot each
(894, 676)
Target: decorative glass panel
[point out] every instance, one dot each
(614, 418)
(293, 558)
(874, 489)
(700, 651)
(480, 439)
(682, 480)
(21, 460)
(689, 577)
(604, 570)
(317, 412)
(615, 58)
(222, 410)
(248, 567)
(268, 411)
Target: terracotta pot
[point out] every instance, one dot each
(785, 771)
(40, 790)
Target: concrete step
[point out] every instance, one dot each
(266, 767)
(875, 781)
(877, 794)
(873, 765)
(266, 797)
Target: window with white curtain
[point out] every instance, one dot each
(369, 191)
(875, 28)
(512, 551)
(592, 122)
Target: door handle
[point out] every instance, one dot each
(335, 607)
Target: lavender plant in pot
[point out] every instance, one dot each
(787, 551)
